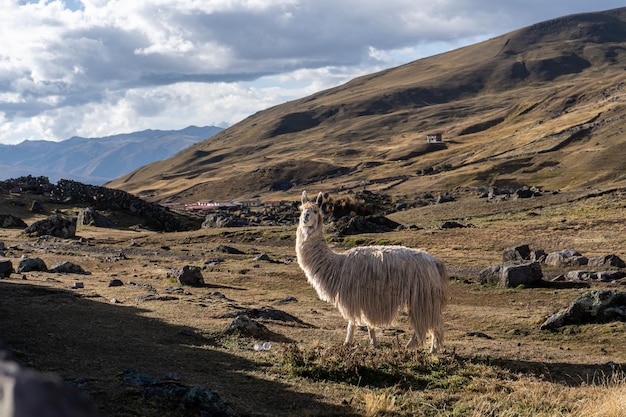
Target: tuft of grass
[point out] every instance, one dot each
(363, 366)
(606, 399)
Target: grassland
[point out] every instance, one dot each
(496, 363)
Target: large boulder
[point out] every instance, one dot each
(607, 261)
(512, 274)
(55, 225)
(6, 268)
(187, 275)
(566, 257)
(68, 268)
(8, 221)
(91, 217)
(598, 306)
(517, 253)
(27, 393)
(31, 264)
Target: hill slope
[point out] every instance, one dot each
(543, 105)
(97, 160)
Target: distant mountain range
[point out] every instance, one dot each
(97, 160)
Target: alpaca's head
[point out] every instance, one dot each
(311, 216)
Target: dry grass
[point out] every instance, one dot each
(517, 370)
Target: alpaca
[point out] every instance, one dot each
(370, 285)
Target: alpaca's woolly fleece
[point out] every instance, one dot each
(370, 285)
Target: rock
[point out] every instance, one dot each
(512, 274)
(444, 198)
(187, 275)
(245, 326)
(36, 207)
(90, 217)
(610, 276)
(9, 221)
(538, 255)
(31, 264)
(223, 219)
(265, 313)
(116, 283)
(263, 257)
(518, 253)
(27, 393)
(54, 225)
(187, 400)
(452, 225)
(607, 261)
(228, 249)
(6, 268)
(566, 257)
(365, 224)
(68, 268)
(288, 299)
(598, 306)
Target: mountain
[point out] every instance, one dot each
(544, 105)
(97, 160)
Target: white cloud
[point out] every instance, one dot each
(99, 67)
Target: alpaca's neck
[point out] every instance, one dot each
(318, 261)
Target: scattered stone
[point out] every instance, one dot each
(116, 283)
(517, 253)
(245, 326)
(610, 276)
(78, 285)
(187, 275)
(31, 264)
(6, 268)
(566, 257)
(512, 274)
(155, 297)
(223, 219)
(265, 313)
(598, 306)
(55, 225)
(91, 217)
(68, 268)
(228, 249)
(36, 207)
(607, 261)
(9, 221)
(263, 257)
(187, 400)
(479, 334)
(27, 393)
(444, 198)
(452, 225)
(538, 255)
(288, 299)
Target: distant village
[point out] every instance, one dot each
(210, 205)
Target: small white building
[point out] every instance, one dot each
(434, 137)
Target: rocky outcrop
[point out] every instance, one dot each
(597, 306)
(91, 217)
(6, 268)
(54, 225)
(9, 221)
(31, 264)
(187, 275)
(102, 198)
(566, 257)
(512, 274)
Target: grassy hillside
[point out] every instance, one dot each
(543, 105)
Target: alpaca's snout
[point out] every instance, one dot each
(305, 217)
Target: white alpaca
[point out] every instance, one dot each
(370, 285)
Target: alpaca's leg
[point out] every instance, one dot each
(437, 336)
(412, 342)
(350, 335)
(372, 332)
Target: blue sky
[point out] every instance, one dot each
(95, 68)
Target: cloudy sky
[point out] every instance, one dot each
(95, 68)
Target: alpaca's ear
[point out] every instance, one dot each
(320, 199)
(304, 197)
